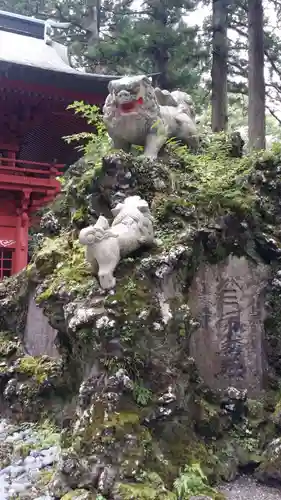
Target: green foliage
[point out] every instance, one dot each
(215, 182)
(69, 268)
(49, 433)
(34, 242)
(238, 119)
(40, 367)
(143, 491)
(192, 481)
(31, 8)
(130, 286)
(73, 270)
(96, 144)
(149, 42)
(152, 37)
(141, 394)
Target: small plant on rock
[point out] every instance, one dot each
(94, 145)
(192, 481)
(214, 182)
(142, 395)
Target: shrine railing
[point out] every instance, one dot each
(10, 166)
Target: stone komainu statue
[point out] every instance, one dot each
(136, 113)
(132, 227)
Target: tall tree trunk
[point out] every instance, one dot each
(160, 53)
(256, 86)
(219, 66)
(91, 22)
(161, 60)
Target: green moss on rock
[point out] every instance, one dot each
(81, 494)
(30, 384)
(14, 303)
(51, 253)
(40, 368)
(10, 346)
(66, 268)
(142, 491)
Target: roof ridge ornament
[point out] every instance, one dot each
(50, 24)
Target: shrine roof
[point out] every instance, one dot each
(28, 62)
(22, 42)
(28, 51)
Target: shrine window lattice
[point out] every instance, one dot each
(6, 263)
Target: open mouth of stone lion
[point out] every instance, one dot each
(131, 106)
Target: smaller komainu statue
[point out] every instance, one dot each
(136, 113)
(131, 228)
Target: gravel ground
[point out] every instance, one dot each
(246, 488)
(22, 477)
(29, 462)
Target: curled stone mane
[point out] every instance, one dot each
(148, 110)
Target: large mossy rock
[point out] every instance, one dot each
(29, 385)
(144, 407)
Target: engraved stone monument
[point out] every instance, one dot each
(228, 301)
(39, 336)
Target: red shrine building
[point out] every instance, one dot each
(37, 84)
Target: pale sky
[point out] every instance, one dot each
(198, 16)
